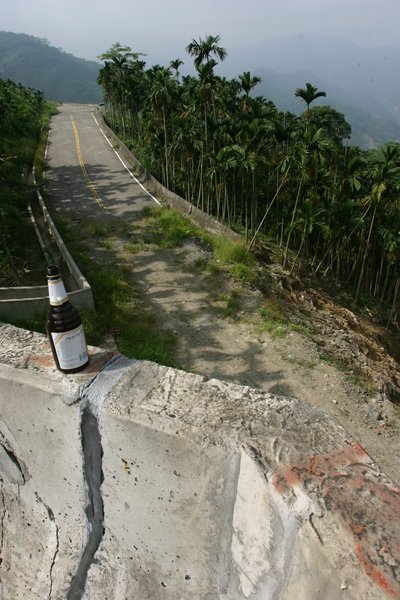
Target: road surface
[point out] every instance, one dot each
(86, 175)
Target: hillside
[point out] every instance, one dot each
(371, 126)
(60, 76)
(363, 83)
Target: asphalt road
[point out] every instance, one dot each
(85, 175)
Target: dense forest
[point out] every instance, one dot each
(23, 116)
(327, 208)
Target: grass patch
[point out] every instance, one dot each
(243, 273)
(228, 252)
(200, 264)
(106, 244)
(234, 257)
(118, 311)
(35, 323)
(96, 230)
(230, 306)
(273, 319)
(134, 248)
(168, 228)
(122, 229)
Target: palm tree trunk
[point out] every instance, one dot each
(291, 223)
(266, 212)
(165, 148)
(365, 254)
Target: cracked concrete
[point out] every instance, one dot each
(92, 471)
(148, 482)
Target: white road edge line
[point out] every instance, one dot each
(129, 171)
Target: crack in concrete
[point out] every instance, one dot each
(57, 548)
(93, 475)
(19, 474)
(2, 519)
(92, 395)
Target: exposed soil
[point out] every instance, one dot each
(325, 354)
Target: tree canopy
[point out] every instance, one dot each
(21, 118)
(329, 208)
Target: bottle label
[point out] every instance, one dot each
(70, 348)
(57, 293)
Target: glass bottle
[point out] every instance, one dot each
(64, 327)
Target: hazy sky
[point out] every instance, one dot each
(163, 28)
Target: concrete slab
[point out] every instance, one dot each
(291, 504)
(162, 484)
(41, 510)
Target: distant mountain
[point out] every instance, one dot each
(60, 76)
(370, 127)
(363, 83)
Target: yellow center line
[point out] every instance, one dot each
(82, 164)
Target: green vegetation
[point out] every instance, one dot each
(119, 310)
(135, 327)
(164, 229)
(330, 209)
(273, 319)
(24, 117)
(169, 228)
(230, 304)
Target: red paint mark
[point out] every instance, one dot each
(351, 485)
(44, 361)
(376, 574)
(97, 361)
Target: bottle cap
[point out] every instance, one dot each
(53, 271)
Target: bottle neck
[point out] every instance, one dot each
(57, 293)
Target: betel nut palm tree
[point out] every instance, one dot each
(309, 94)
(202, 50)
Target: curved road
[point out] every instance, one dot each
(86, 178)
(85, 175)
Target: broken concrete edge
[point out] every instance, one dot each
(313, 470)
(92, 397)
(315, 475)
(25, 354)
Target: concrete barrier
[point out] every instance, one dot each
(30, 301)
(133, 480)
(197, 216)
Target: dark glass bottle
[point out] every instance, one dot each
(64, 327)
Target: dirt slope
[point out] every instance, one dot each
(320, 365)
